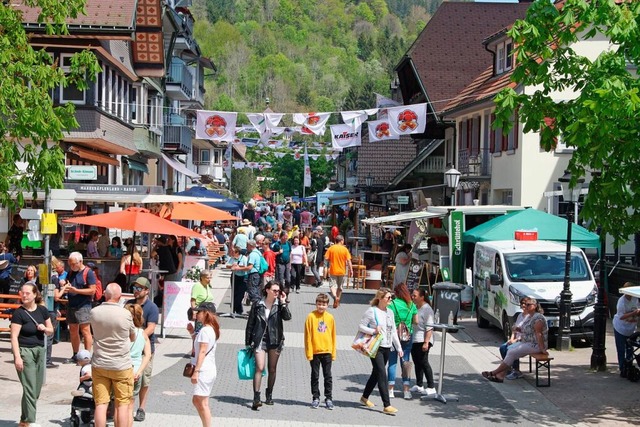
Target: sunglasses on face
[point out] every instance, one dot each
(138, 289)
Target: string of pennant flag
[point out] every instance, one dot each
(390, 124)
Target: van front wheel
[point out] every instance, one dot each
(480, 321)
(506, 326)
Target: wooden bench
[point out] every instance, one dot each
(543, 361)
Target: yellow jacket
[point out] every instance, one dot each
(319, 334)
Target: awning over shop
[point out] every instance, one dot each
(137, 166)
(179, 167)
(403, 217)
(94, 156)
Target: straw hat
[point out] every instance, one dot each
(246, 222)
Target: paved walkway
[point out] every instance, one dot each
(576, 396)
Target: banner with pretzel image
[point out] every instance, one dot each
(216, 125)
(407, 119)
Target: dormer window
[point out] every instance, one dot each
(504, 56)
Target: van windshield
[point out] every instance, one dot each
(544, 267)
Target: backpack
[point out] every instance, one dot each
(264, 265)
(98, 296)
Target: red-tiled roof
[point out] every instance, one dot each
(112, 13)
(484, 86)
(449, 53)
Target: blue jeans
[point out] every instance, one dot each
(623, 349)
(503, 352)
(393, 363)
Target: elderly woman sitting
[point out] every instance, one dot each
(534, 340)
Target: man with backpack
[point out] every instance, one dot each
(79, 290)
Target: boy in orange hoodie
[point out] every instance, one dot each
(320, 349)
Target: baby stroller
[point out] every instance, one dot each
(84, 406)
(632, 372)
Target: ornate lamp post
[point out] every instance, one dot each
(570, 195)
(451, 179)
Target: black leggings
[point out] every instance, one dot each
(421, 364)
(297, 271)
(272, 356)
(379, 376)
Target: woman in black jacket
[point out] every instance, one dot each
(265, 336)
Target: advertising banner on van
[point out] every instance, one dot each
(456, 228)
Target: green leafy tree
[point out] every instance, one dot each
(602, 122)
(28, 77)
(243, 183)
(287, 174)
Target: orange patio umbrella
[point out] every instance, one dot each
(194, 211)
(139, 220)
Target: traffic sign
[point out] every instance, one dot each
(403, 200)
(63, 194)
(62, 205)
(62, 199)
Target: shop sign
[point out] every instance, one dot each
(82, 172)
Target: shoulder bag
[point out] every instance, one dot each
(403, 330)
(367, 344)
(190, 368)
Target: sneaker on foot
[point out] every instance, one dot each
(407, 395)
(139, 415)
(315, 403)
(297, 291)
(366, 402)
(51, 365)
(514, 375)
(429, 391)
(392, 393)
(329, 404)
(72, 359)
(417, 389)
(390, 410)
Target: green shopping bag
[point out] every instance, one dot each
(247, 365)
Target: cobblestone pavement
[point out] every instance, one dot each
(468, 353)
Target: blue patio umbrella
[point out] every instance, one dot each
(225, 204)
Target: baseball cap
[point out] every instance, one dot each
(83, 355)
(206, 306)
(142, 281)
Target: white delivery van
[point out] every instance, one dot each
(508, 270)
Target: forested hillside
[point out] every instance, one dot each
(305, 55)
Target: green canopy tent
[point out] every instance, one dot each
(550, 227)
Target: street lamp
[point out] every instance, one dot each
(598, 354)
(451, 179)
(570, 195)
(368, 181)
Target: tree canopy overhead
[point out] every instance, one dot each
(602, 122)
(30, 158)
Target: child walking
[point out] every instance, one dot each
(320, 349)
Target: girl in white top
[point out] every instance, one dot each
(205, 372)
(379, 320)
(298, 262)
